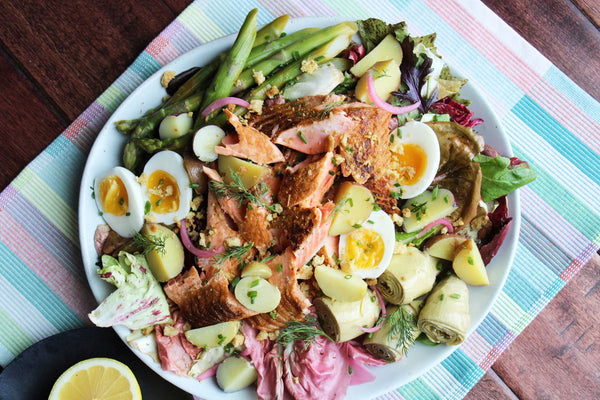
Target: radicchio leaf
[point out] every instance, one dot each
(500, 226)
(458, 112)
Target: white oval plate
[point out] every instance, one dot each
(106, 153)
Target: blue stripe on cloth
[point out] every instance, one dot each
(418, 390)
(232, 20)
(55, 242)
(37, 292)
(544, 245)
(462, 368)
(574, 93)
(145, 65)
(492, 330)
(559, 137)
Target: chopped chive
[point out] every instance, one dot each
(370, 222)
(273, 315)
(331, 173)
(455, 296)
(221, 339)
(279, 267)
(147, 207)
(194, 185)
(235, 281)
(158, 202)
(254, 283)
(442, 296)
(470, 260)
(252, 295)
(356, 226)
(446, 199)
(121, 201)
(127, 214)
(434, 194)
(161, 182)
(348, 276)
(302, 137)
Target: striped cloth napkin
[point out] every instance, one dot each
(552, 124)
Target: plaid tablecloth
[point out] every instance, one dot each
(552, 123)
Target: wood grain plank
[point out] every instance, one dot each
(177, 6)
(491, 386)
(558, 355)
(559, 31)
(75, 49)
(591, 9)
(28, 122)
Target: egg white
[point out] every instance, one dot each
(124, 225)
(419, 134)
(171, 163)
(380, 223)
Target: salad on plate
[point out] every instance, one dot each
(301, 211)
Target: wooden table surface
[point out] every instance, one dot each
(57, 57)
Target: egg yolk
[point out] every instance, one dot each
(163, 192)
(364, 249)
(113, 196)
(409, 164)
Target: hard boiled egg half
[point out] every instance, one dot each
(120, 201)
(166, 187)
(415, 158)
(367, 251)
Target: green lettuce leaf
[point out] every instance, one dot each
(500, 178)
(373, 30)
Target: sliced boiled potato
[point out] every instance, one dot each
(469, 266)
(427, 207)
(205, 140)
(213, 335)
(444, 246)
(257, 294)
(354, 204)
(250, 174)
(340, 285)
(258, 269)
(388, 48)
(235, 373)
(174, 126)
(166, 261)
(386, 79)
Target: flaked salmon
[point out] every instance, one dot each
(205, 303)
(293, 304)
(252, 144)
(306, 183)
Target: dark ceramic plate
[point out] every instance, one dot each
(31, 375)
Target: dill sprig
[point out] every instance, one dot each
(237, 191)
(149, 243)
(306, 331)
(330, 107)
(237, 252)
(402, 324)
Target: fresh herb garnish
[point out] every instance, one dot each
(150, 243)
(330, 107)
(302, 137)
(306, 331)
(418, 209)
(237, 252)
(402, 325)
(237, 191)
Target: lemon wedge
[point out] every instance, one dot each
(96, 379)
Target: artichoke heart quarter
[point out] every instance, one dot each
(445, 315)
(411, 274)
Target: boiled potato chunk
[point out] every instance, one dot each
(235, 373)
(257, 294)
(386, 79)
(388, 48)
(250, 174)
(354, 204)
(213, 335)
(258, 269)
(340, 285)
(174, 126)
(427, 207)
(444, 246)
(164, 262)
(205, 140)
(469, 266)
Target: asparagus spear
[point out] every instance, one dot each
(132, 154)
(272, 30)
(233, 64)
(152, 145)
